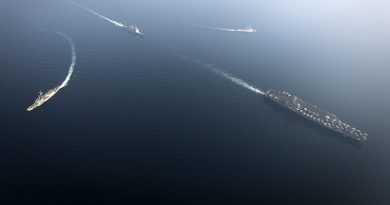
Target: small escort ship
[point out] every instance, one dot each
(43, 97)
(135, 30)
(314, 114)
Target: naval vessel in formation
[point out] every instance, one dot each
(315, 114)
(134, 30)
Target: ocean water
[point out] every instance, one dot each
(154, 120)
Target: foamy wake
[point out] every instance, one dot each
(246, 30)
(71, 67)
(116, 23)
(43, 97)
(225, 75)
(238, 81)
(214, 28)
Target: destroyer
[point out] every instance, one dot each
(135, 30)
(312, 113)
(43, 97)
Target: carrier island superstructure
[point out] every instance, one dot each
(314, 114)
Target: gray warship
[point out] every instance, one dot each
(43, 97)
(134, 30)
(314, 114)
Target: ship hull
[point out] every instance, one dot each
(333, 127)
(141, 35)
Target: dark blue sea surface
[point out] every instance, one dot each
(146, 121)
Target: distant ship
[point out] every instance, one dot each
(43, 97)
(248, 29)
(135, 30)
(314, 114)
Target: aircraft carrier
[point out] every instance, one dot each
(315, 114)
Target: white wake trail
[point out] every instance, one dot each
(71, 67)
(43, 97)
(213, 28)
(225, 75)
(116, 23)
(241, 30)
(238, 81)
